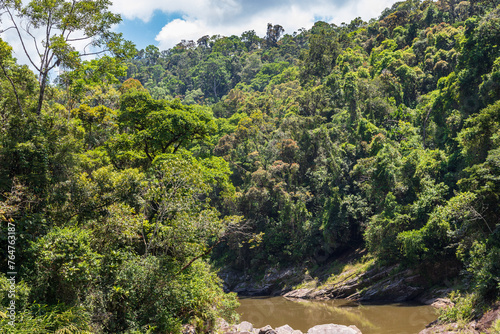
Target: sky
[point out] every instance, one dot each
(165, 23)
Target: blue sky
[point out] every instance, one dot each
(165, 23)
(143, 33)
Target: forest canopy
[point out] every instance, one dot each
(131, 177)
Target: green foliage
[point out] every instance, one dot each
(495, 328)
(285, 150)
(195, 297)
(157, 127)
(463, 311)
(48, 319)
(482, 264)
(66, 266)
(60, 20)
(480, 133)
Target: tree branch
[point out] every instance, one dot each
(22, 40)
(13, 87)
(233, 228)
(93, 53)
(199, 256)
(1, 31)
(76, 39)
(34, 40)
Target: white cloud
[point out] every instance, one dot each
(178, 29)
(232, 17)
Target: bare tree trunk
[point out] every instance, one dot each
(43, 84)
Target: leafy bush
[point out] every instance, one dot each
(151, 292)
(464, 309)
(41, 319)
(65, 266)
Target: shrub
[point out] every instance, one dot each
(65, 266)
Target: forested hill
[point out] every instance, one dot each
(384, 134)
(125, 179)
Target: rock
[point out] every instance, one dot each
(245, 326)
(442, 303)
(358, 331)
(267, 330)
(395, 289)
(298, 294)
(274, 282)
(487, 320)
(221, 324)
(333, 329)
(284, 329)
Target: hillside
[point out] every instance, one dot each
(141, 171)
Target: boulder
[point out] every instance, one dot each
(267, 330)
(333, 329)
(298, 294)
(284, 330)
(245, 326)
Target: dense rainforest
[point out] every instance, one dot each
(126, 179)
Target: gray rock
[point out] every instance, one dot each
(299, 293)
(284, 329)
(356, 329)
(245, 326)
(274, 282)
(396, 290)
(267, 330)
(333, 329)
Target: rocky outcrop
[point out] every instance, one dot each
(275, 282)
(372, 285)
(378, 284)
(247, 328)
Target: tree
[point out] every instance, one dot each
(250, 39)
(273, 34)
(212, 75)
(63, 24)
(155, 127)
(323, 50)
(23, 79)
(151, 54)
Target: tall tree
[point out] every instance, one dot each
(63, 24)
(273, 34)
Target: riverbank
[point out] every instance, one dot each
(356, 276)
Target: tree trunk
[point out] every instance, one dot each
(43, 84)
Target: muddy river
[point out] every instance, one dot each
(369, 318)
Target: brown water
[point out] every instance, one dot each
(302, 315)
